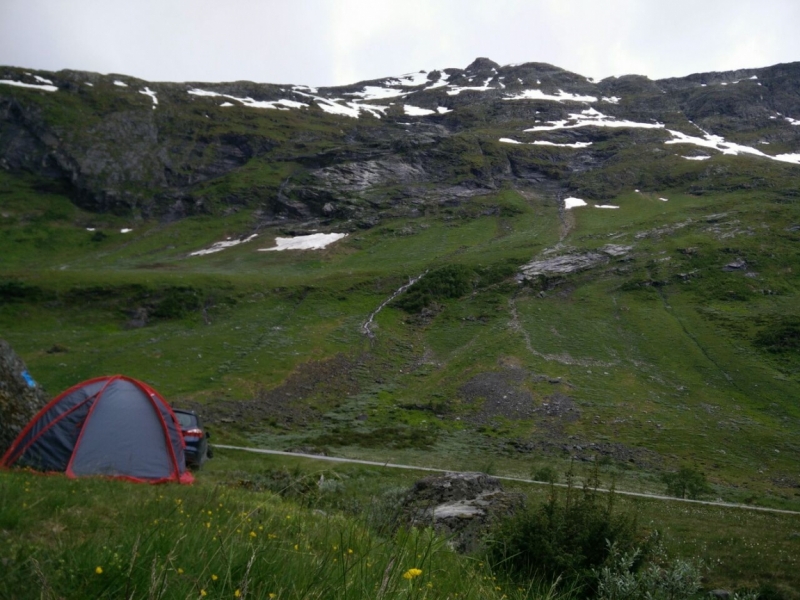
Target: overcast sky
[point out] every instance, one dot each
(334, 42)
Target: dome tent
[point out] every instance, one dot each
(110, 426)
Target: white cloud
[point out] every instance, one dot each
(325, 42)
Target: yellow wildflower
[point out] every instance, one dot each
(214, 577)
(99, 570)
(411, 573)
(273, 595)
(180, 571)
(252, 534)
(237, 593)
(203, 593)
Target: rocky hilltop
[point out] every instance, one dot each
(396, 145)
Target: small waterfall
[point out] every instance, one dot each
(365, 328)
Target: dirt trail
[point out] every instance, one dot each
(389, 465)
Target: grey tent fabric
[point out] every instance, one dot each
(112, 426)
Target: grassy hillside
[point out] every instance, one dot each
(680, 352)
(253, 526)
(657, 359)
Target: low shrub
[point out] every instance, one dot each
(781, 337)
(451, 281)
(661, 579)
(564, 539)
(688, 482)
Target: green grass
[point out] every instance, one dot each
(659, 352)
(107, 539)
(263, 525)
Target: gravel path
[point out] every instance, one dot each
(430, 469)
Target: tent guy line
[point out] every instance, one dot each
(389, 465)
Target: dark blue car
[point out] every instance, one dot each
(196, 437)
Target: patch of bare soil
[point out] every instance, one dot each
(323, 382)
(504, 394)
(586, 451)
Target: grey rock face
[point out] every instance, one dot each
(737, 265)
(357, 177)
(114, 151)
(20, 396)
(461, 506)
(563, 265)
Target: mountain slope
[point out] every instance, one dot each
(608, 269)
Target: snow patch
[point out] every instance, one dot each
(373, 92)
(664, 199)
(148, 92)
(592, 118)
(90, 229)
(42, 80)
(224, 104)
(605, 206)
(573, 145)
(443, 81)
(793, 121)
(443, 110)
(716, 142)
(33, 86)
(573, 203)
(119, 83)
(416, 111)
(411, 79)
(696, 157)
(315, 241)
(88, 83)
(455, 91)
(125, 230)
(610, 99)
(561, 96)
(546, 143)
(282, 104)
(219, 246)
(306, 88)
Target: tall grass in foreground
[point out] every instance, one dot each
(109, 539)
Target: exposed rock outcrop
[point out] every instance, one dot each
(20, 396)
(572, 263)
(461, 506)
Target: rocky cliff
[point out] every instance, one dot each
(395, 145)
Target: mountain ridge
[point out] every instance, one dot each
(129, 159)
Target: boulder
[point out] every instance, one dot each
(20, 396)
(460, 506)
(738, 265)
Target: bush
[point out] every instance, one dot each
(451, 281)
(18, 291)
(564, 540)
(176, 302)
(546, 474)
(660, 579)
(686, 483)
(781, 337)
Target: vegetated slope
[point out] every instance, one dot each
(657, 331)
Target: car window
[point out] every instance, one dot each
(186, 420)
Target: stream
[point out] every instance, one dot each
(366, 327)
